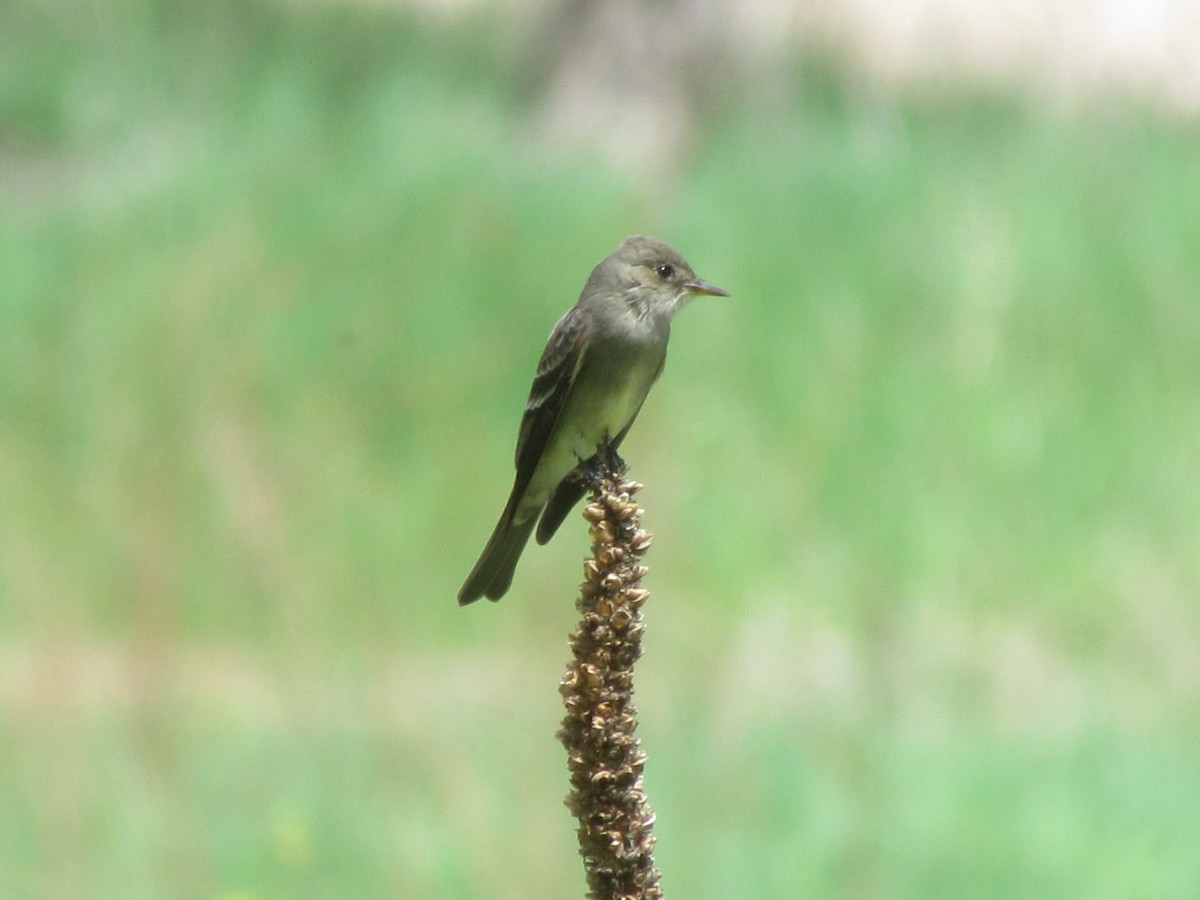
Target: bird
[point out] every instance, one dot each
(599, 363)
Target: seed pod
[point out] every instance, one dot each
(636, 596)
(640, 542)
(601, 532)
(610, 555)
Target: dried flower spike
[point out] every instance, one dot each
(603, 754)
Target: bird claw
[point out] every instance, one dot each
(604, 463)
(612, 460)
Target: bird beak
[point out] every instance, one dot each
(703, 287)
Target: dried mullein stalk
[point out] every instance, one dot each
(603, 754)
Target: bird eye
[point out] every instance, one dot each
(665, 272)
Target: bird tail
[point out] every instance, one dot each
(493, 573)
(569, 492)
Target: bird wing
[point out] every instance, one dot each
(556, 373)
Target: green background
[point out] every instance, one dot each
(273, 282)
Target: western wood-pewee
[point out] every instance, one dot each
(600, 362)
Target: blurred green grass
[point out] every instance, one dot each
(272, 283)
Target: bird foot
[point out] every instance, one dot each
(611, 460)
(605, 463)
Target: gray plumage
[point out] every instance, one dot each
(599, 364)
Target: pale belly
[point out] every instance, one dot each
(597, 416)
(597, 410)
